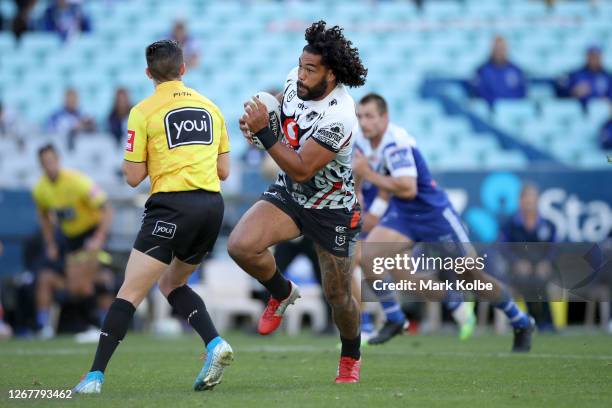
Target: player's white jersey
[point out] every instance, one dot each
(398, 156)
(330, 123)
(393, 156)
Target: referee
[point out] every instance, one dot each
(178, 139)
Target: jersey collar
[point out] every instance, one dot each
(169, 85)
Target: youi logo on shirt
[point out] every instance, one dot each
(188, 126)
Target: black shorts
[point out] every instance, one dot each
(335, 230)
(73, 244)
(68, 245)
(183, 224)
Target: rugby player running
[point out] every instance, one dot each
(419, 211)
(314, 193)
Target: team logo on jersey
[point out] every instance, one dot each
(188, 126)
(311, 116)
(164, 229)
(129, 146)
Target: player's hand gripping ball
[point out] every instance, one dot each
(262, 111)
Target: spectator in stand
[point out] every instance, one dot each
(605, 135)
(588, 82)
(8, 122)
(69, 120)
(118, 117)
(190, 46)
(21, 21)
(530, 269)
(66, 18)
(498, 78)
(12, 126)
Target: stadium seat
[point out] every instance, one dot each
(562, 111)
(598, 111)
(227, 290)
(513, 114)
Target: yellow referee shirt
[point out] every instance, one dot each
(179, 134)
(74, 198)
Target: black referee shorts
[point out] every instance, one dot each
(334, 230)
(68, 245)
(183, 224)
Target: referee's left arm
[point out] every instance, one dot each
(223, 159)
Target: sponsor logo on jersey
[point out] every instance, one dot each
(291, 131)
(400, 158)
(274, 194)
(129, 146)
(291, 95)
(65, 214)
(331, 134)
(188, 126)
(164, 229)
(340, 229)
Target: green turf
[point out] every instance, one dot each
(561, 371)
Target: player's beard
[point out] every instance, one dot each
(314, 92)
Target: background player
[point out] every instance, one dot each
(419, 211)
(374, 134)
(178, 138)
(72, 202)
(314, 194)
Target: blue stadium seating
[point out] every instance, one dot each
(400, 45)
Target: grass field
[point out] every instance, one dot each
(562, 371)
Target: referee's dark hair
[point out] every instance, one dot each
(46, 148)
(164, 60)
(337, 53)
(380, 102)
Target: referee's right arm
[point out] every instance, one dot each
(135, 156)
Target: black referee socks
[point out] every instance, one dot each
(113, 331)
(278, 286)
(191, 306)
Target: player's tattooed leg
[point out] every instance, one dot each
(336, 281)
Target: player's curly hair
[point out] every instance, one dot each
(337, 53)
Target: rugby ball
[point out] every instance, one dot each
(273, 106)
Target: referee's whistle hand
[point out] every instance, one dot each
(256, 115)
